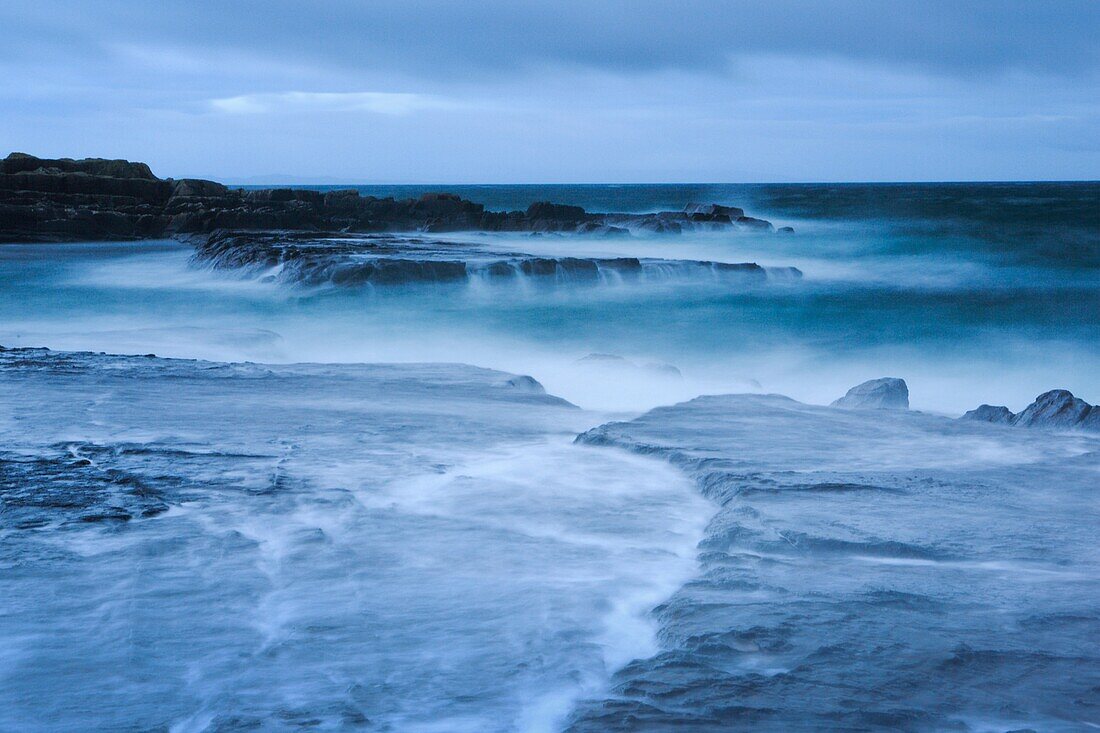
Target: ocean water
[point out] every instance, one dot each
(984, 293)
(338, 509)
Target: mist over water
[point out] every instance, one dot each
(319, 540)
(968, 309)
(188, 546)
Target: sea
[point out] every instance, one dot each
(231, 503)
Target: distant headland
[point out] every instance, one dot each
(95, 199)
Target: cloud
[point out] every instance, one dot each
(387, 103)
(442, 39)
(506, 90)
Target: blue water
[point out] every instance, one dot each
(357, 531)
(975, 293)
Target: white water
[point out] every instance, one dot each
(810, 340)
(413, 548)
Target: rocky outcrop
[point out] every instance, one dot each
(344, 259)
(1057, 409)
(57, 200)
(997, 415)
(860, 524)
(713, 212)
(98, 167)
(887, 393)
(544, 215)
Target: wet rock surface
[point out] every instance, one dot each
(64, 200)
(348, 260)
(63, 482)
(849, 578)
(998, 415)
(1057, 409)
(180, 535)
(886, 393)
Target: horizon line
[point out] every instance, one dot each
(929, 181)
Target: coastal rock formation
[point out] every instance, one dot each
(887, 393)
(1057, 409)
(524, 383)
(349, 260)
(837, 537)
(60, 200)
(996, 414)
(713, 212)
(614, 362)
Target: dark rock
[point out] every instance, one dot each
(720, 218)
(524, 383)
(539, 266)
(55, 200)
(785, 230)
(995, 414)
(198, 188)
(21, 162)
(501, 269)
(749, 222)
(344, 200)
(711, 212)
(887, 393)
(596, 229)
(740, 267)
(344, 259)
(560, 212)
(1057, 409)
(578, 268)
(659, 225)
(621, 265)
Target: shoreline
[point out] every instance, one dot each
(59, 200)
(782, 598)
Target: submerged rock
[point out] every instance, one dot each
(596, 229)
(622, 365)
(886, 393)
(664, 369)
(659, 225)
(524, 383)
(1057, 409)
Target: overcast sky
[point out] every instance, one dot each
(513, 91)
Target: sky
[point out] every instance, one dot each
(406, 91)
